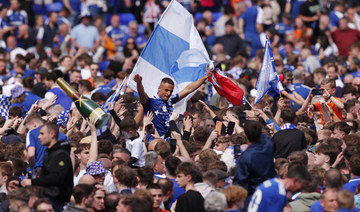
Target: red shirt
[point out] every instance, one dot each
(343, 39)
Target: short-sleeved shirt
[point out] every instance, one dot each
(17, 18)
(32, 140)
(162, 111)
(135, 146)
(85, 36)
(352, 184)
(269, 196)
(336, 110)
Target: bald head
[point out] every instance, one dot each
(107, 163)
(87, 179)
(333, 179)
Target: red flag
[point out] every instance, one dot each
(226, 88)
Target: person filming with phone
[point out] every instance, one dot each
(331, 107)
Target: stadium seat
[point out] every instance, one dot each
(125, 18)
(216, 16)
(39, 9)
(54, 7)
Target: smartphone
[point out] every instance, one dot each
(172, 144)
(130, 106)
(181, 117)
(242, 118)
(317, 91)
(149, 127)
(230, 128)
(237, 151)
(218, 127)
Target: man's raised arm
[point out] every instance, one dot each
(140, 89)
(193, 86)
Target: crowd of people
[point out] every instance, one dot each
(297, 149)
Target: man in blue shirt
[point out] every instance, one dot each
(163, 103)
(84, 34)
(140, 39)
(353, 183)
(255, 164)
(271, 195)
(35, 150)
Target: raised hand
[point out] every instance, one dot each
(148, 118)
(34, 107)
(91, 123)
(137, 78)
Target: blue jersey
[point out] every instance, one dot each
(116, 33)
(177, 192)
(352, 184)
(251, 17)
(162, 111)
(32, 140)
(269, 196)
(16, 18)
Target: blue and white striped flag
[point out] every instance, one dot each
(113, 98)
(267, 75)
(4, 106)
(166, 54)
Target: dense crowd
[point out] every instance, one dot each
(297, 149)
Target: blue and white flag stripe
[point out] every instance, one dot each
(113, 97)
(174, 34)
(267, 75)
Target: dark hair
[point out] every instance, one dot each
(128, 123)
(300, 172)
(328, 150)
(191, 169)
(15, 111)
(51, 76)
(355, 165)
(105, 146)
(252, 130)
(167, 80)
(98, 96)
(171, 164)
(40, 201)
(111, 201)
(146, 175)
(153, 186)
(342, 126)
(86, 84)
(126, 176)
(288, 115)
(82, 190)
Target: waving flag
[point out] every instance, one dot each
(225, 87)
(162, 56)
(267, 77)
(4, 106)
(113, 97)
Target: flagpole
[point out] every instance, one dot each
(249, 103)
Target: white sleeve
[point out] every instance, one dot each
(260, 16)
(255, 201)
(137, 149)
(27, 140)
(40, 34)
(48, 95)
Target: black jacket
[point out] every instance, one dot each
(288, 141)
(57, 173)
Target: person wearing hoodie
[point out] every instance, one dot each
(307, 197)
(56, 175)
(255, 165)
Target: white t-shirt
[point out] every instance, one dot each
(137, 150)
